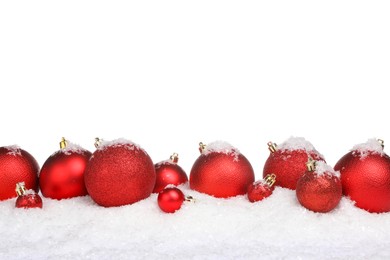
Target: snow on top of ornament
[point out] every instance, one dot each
(29, 192)
(13, 150)
(118, 143)
(71, 148)
(323, 168)
(296, 143)
(221, 147)
(372, 146)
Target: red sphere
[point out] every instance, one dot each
(319, 193)
(168, 173)
(16, 165)
(29, 201)
(119, 174)
(221, 175)
(259, 190)
(170, 199)
(288, 166)
(366, 180)
(62, 175)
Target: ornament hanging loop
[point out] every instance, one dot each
(270, 179)
(174, 158)
(311, 165)
(272, 147)
(381, 142)
(63, 143)
(190, 199)
(98, 142)
(202, 146)
(20, 188)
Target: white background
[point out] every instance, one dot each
(168, 74)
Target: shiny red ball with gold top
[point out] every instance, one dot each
(170, 199)
(169, 172)
(27, 199)
(365, 176)
(119, 173)
(319, 189)
(221, 171)
(62, 175)
(288, 161)
(262, 189)
(16, 165)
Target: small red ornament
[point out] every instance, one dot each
(16, 165)
(119, 173)
(62, 175)
(262, 189)
(169, 172)
(221, 171)
(365, 176)
(27, 198)
(288, 161)
(319, 189)
(170, 199)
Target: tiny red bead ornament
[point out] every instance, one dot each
(16, 165)
(365, 176)
(169, 172)
(62, 175)
(27, 198)
(221, 171)
(288, 161)
(319, 189)
(170, 199)
(262, 189)
(119, 173)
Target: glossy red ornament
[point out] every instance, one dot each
(221, 171)
(262, 189)
(288, 164)
(119, 173)
(62, 175)
(27, 198)
(169, 172)
(16, 165)
(319, 192)
(170, 199)
(366, 179)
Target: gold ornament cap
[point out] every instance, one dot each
(272, 147)
(202, 146)
(174, 158)
(311, 165)
(270, 179)
(382, 143)
(63, 143)
(20, 188)
(98, 142)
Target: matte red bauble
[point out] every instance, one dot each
(169, 172)
(16, 165)
(27, 199)
(221, 171)
(262, 189)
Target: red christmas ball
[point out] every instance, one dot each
(365, 176)
(288, 161)
(16, 165)
(62, 175)
(262, 189)
(119, 173)
(169, 172)
(27, 198)
(170, 199)
(319, 190)
(221, 171)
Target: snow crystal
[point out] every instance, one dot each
(13, 150)
(118, 142)
(165, 162)
(372, 146)
(296, 143)
(323, 168)
(221, 147)
(29, 192)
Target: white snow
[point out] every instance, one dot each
(71, 148)
(13, 150)
(118, 142)
(322, 168)
(296, 143)
(211, 228)
(221, 147)
(372, 146)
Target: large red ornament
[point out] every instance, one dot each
(119, 173)
(62, 175)
(27, 198)
(170, 199)
(319, 189)
(169, 172)
(262, 189)
(221, 171)
(16, 165)
(365, 176)
(288, 161)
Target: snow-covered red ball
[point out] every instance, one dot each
(119, 173)
(288, 161)
(261, 189)
(16, 165)
(168, 172)
(221, 171)
(365, 176)
(62, 175)
(319, 190)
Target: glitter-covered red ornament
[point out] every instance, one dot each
(62, 175)
(319, 189)
(27, 199)
(365, 176)
(221, 171)
(119, 173)
(288, 161)
(16, 165)
(262, 189)
(169, 172)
